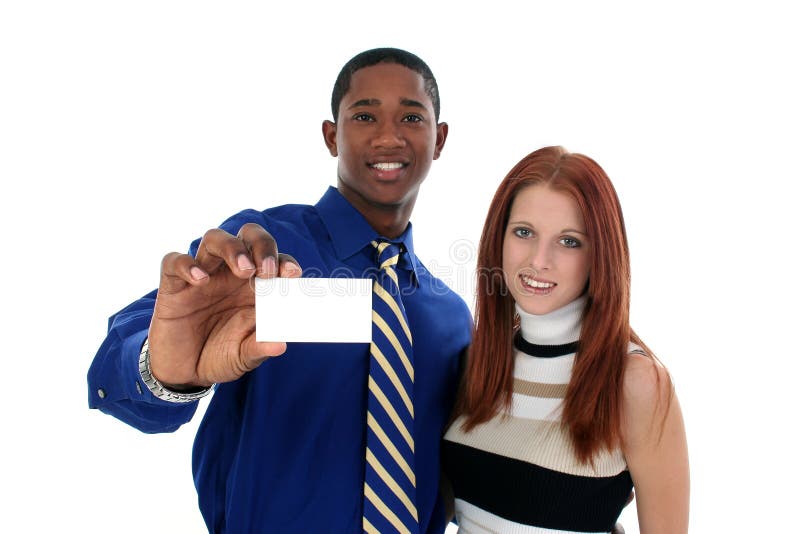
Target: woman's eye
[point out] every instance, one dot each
(522, 232)
(570, 242)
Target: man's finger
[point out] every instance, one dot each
(179, 270)
(254, 353)
(289, 267)
(263, 249)
(218, 247)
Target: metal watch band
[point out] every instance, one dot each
(157, 388)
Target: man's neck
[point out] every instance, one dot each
(388, 220)
(391, 226)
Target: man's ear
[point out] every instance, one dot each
(329, 134)
(441, 137)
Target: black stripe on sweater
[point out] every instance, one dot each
(533, 495)
(543, 351)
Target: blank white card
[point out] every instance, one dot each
(331, 310)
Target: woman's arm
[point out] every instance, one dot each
(654, 444)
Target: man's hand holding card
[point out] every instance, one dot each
(203, 329)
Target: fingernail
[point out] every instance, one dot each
(197, 273)
(244, 263)
(270, 267)
(291, 267)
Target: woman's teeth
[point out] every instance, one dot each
(535, 283)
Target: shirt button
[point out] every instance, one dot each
(138, 388)
(101, 393)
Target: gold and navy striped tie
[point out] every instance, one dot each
(389, 482)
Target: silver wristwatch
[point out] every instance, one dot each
(157, 388)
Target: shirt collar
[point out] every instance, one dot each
(351, 233)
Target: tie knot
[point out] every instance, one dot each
(388, 253)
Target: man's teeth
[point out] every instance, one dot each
(387, 166)
(535, 283)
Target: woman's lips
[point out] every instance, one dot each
(535, 286)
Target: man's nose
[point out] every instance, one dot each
(388, 136)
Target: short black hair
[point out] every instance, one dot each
(372, 57)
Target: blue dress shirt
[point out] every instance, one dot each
(282, 448)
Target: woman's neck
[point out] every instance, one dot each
(555, 328)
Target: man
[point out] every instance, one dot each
(285, 443)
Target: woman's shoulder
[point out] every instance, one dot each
(646, 393)
(645, 378)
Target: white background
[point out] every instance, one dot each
(129, 128)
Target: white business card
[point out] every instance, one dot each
(322, 310)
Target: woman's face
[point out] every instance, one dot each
(545, 250)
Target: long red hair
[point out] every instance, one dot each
(592, 406)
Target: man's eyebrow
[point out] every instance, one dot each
(412, 103)
(365, 102)
(376, 102)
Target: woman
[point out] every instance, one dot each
(562, 409)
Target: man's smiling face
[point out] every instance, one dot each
(385, 137)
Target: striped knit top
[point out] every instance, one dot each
(517, 473)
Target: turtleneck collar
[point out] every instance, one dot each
(558, 327)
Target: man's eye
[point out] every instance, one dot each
(412, 118)
(570, 242)
(364, 117)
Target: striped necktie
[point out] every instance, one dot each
(389, 482)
